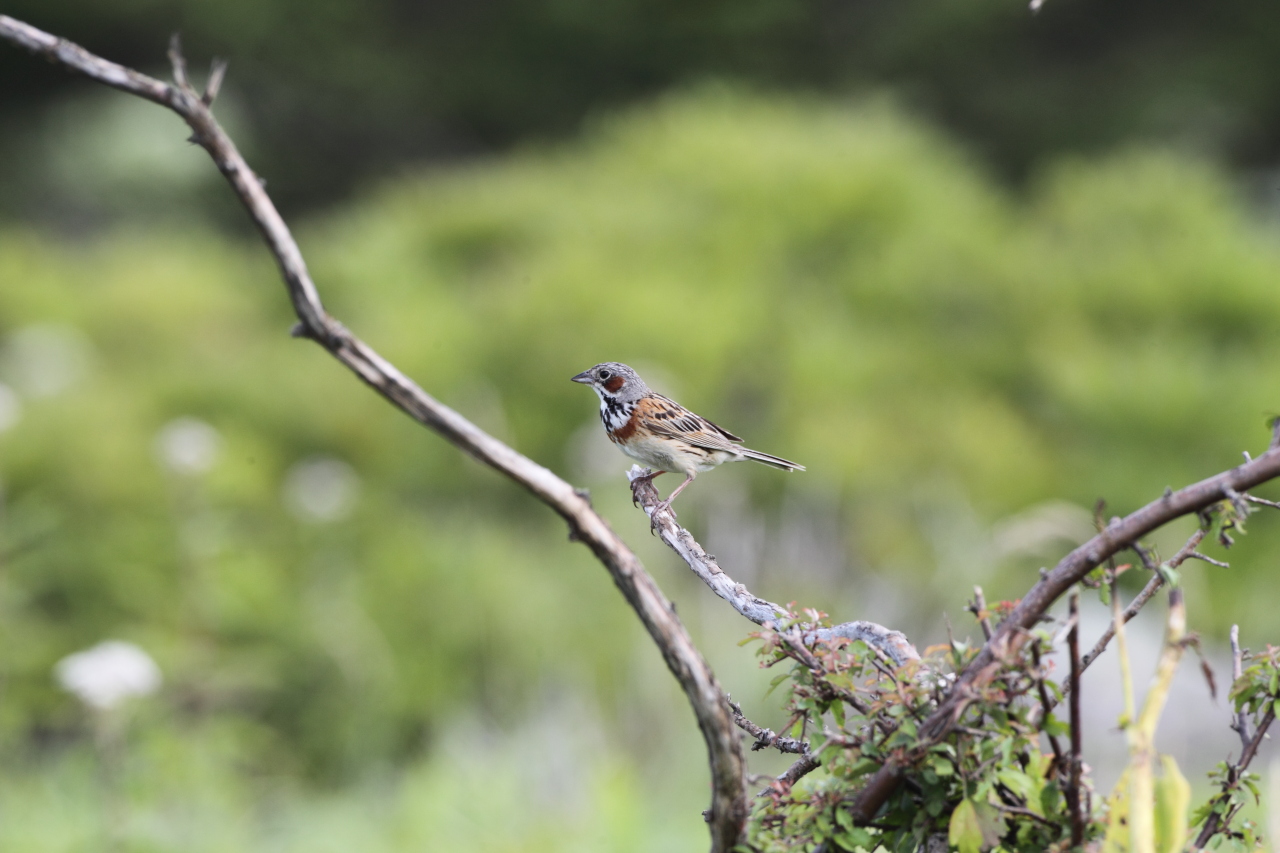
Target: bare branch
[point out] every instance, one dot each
(728, 812)
(758, 610)
(1196, 555)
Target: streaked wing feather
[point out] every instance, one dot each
(669, 418)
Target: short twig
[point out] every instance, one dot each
(1021, 812)
(178, 61)
(1241, 722)
(217, 71)
(1196, 555)
(1261, 501)
(765, 738)
(979, 609)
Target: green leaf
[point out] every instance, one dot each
(964, 833)
(1054, 727)
(1170, 574)
(1173, 799)
(1117, 838)
(1023, 786)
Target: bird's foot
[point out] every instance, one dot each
(646, 478)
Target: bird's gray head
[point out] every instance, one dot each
(614, 381)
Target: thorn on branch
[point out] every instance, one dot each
(217, 71)
(1196, 555)
(1261, 501)
(1068, 628)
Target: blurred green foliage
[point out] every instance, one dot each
(343, 90)
(837, 283)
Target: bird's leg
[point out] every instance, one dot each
(667, 503)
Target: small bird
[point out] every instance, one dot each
(660, 432)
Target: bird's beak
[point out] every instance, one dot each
(584, 377)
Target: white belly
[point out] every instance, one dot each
(667, 455)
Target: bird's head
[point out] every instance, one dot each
(614, 381)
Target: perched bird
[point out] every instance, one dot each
(660, 432)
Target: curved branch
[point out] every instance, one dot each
(728, 812)
(758, 610)
(1118, 535)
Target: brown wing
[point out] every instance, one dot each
(669, 418)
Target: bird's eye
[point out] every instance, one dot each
(604, 374)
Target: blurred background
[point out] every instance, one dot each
(975, 267)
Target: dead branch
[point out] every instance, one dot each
(758, 610)
(728, 812)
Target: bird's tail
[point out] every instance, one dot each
(773, 461)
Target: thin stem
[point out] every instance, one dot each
(1216, 822)
(1073, 787)
(1241, 721)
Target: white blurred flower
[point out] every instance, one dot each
(44, 360)
(10, 407)
(321, 489)
(188, 446)
(107, 674)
